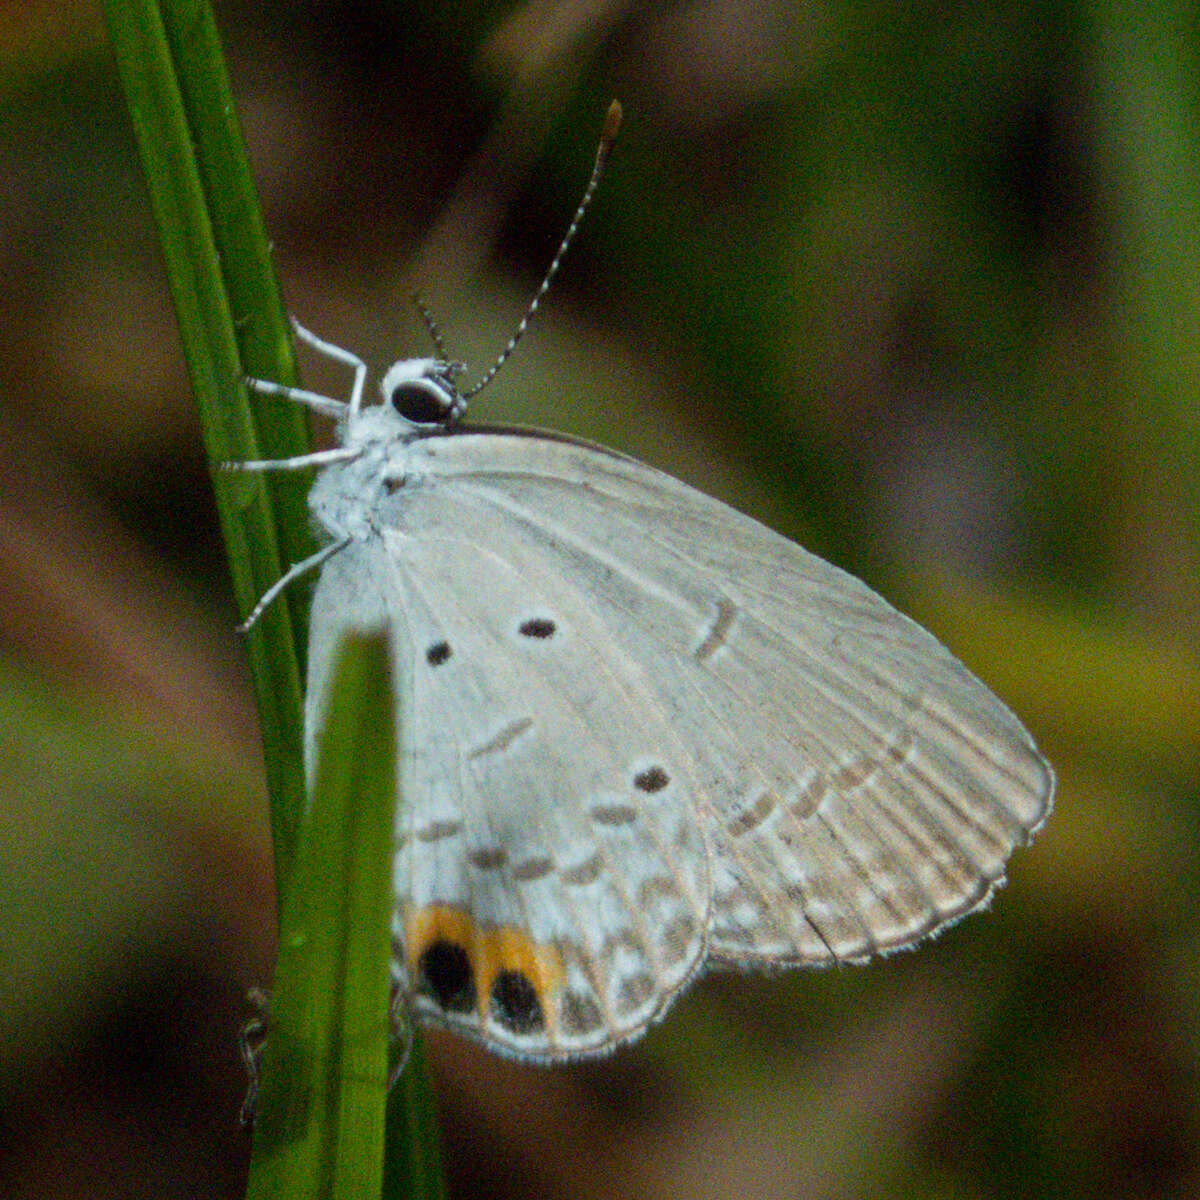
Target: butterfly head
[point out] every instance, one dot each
(423, 391)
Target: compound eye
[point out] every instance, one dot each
(423, 391)
(422, 401)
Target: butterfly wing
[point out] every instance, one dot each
(552, 896)
(860, 787)
(808, 776)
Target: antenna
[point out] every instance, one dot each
(608, 135)
(431, 327)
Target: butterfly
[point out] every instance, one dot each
(643, 734)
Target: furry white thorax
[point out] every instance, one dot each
(346, 496)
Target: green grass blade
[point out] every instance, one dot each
(412, 1168)
(247, 266)
(232, 323)
(320, 1127)
(194, 256)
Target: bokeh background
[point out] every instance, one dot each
(917, 284)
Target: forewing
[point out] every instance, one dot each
(858, 787)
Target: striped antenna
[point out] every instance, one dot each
(431, 327)
(608, 135)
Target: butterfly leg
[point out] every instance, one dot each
(338, 355)
(319, 458)
(294, 572)
(401, 1019)
(404, 1055)
(325, 405)
(251, 1038)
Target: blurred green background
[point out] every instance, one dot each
(916, 284)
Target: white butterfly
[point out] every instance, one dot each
(643, 734)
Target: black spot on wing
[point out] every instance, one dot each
(652, 779)
(446, 974)
(537, 627)
(515, 1003)
(437, 653)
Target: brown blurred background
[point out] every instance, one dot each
(916, 284)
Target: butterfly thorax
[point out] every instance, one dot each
(347, 496)
(419, 398)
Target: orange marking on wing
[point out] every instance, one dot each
(490, 951)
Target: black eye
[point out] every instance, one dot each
(423, 391)
(422, 401)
